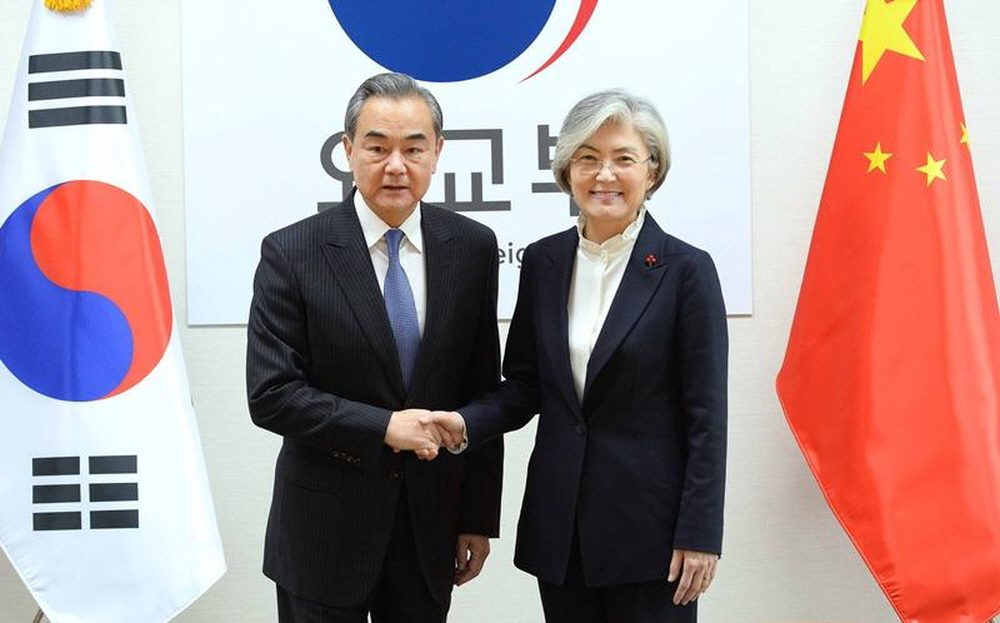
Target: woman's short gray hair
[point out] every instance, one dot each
(593, 111)
(393, 86)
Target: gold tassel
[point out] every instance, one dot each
(68, 5)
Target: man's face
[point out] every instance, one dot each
(393, 154)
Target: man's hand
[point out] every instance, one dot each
(450, 427)
(696, 571)
(405, 432)
(471, 551)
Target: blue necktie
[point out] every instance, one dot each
(401, 308)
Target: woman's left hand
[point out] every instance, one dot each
(696, 571)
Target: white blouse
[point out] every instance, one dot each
(597, 273)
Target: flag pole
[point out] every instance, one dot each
(66, 6)
(39, 616)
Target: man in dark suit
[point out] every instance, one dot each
(360, 312)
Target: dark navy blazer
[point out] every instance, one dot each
(639, 466)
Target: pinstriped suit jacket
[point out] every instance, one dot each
(322, 371)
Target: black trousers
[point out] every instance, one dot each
(401, 595)
(641, 602)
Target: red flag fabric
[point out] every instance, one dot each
(891, 378)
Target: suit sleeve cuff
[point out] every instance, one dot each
(460, 448)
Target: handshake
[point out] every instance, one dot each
(424, 432)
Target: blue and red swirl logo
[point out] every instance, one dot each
(447, 41)
(84, 304)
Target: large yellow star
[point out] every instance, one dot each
(934, 169)
(877, 158)
(882, 30)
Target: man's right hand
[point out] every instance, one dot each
(406, 432)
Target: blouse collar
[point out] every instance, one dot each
(615, 244)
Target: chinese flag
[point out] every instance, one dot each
(891, 379)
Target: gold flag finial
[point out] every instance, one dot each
(68, 5)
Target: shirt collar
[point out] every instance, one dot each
(374, 228)
(614, 244)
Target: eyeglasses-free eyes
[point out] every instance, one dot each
(589, 164)
(379, 153)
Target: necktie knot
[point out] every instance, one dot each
(392, 239)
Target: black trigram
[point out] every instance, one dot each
(66, 488)
(43, 91)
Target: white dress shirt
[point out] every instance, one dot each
(597, 273)
(411, 252)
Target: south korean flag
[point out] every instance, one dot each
(105, 508)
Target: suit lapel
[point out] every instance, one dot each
(351, 263)
(441, 268)
(553, 292)
(639, 282)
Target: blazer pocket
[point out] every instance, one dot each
(312, 469)
(661, 462)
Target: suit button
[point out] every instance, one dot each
(580, 430)
(395, 474)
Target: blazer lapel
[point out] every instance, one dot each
(351, 264)
(553, 326)
(441, 267)
(638, 284)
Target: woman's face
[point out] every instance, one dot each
(609, 176)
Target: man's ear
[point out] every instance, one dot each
(437, 153)
(348, 147)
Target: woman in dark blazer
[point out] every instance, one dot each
(619, 341)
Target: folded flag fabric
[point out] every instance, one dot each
(105, 508)
(891, 376)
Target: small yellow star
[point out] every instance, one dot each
(933, 169)
(877, 158)
(882, 30)
(965, 134)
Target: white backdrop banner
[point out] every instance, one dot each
(266, 85)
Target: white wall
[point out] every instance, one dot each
(786, 558)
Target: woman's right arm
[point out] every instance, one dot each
(516, 400)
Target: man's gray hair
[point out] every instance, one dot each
(593, 111)
(393, 86)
